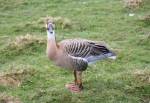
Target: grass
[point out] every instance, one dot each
(126, 80)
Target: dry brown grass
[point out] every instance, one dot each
(14, 77)
(58, 21)
(144, 40)
(8, 99)
(9, 81)
(132, 4)
(21, 41)
(26, 44)
(142, 75)
(145, 99)
(145, 18)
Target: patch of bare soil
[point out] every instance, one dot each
(8, 99)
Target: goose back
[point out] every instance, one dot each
(83, 48)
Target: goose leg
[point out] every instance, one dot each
(76, 87)
(79, 79)
(75, 77)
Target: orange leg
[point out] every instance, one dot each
(79, 79)
(75, 77)
(77, 86)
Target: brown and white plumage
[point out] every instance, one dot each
(75, 54)
(81, 52)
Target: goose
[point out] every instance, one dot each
(74, 54)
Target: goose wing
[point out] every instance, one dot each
(85, 49)
(81, 52)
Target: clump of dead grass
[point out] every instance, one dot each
(145, 99)
(15, 76)
(145, 18)
(142, 80)
(144, 40)
(6, 80)
(27, 39)
(142, 75)
(8, 99)
(59, 21)
(132, 4)
(27, 44)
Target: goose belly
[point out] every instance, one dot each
(63, 62)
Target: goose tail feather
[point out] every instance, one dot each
(92, 59)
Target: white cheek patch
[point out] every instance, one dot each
(50, 35)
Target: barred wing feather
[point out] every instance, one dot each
(88, 50)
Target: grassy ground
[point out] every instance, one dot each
(126, 80)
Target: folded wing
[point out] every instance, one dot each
(88, 50)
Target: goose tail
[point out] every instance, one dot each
(112, 55)
(92, 59)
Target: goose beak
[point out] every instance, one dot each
(49, 25)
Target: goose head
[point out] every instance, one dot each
(50, 27)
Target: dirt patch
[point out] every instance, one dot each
(15, 77)
(8, 99)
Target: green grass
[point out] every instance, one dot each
(125, 80)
